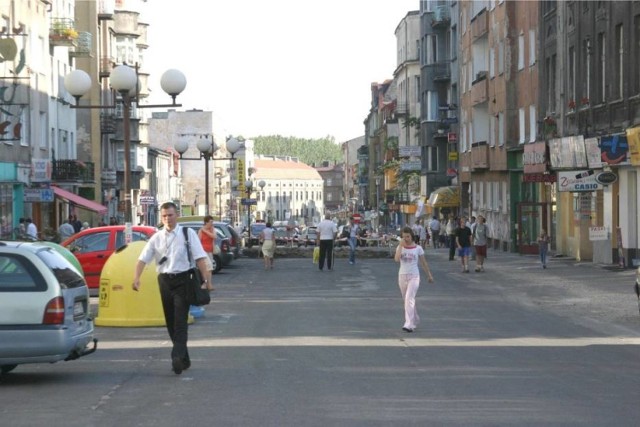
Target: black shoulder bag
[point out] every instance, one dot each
(194, 294)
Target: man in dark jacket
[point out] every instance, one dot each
(463, 243)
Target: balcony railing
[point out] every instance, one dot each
(441, 16)
(480, 24)
(439, 72)
(479, 155)
(72, 171)
(480, 89)
(107, 123)
(62, 32)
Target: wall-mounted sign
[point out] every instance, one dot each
(453, 155)
(452, 137)
(606, 178)
(32, 195)
(598, 233)
(539, 177)
(414, 165)
(534, 158)
(578, 181)
(409, 151)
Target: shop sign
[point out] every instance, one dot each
(453, 155)
(606, 178)
(539, 177)
(578, 181)
(452, 137)
(414, 165)
(35, 195)
(534, 158)
(409, 151)
(598, 233)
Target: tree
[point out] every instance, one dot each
(308, 151)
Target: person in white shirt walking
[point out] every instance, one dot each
(32, 230)
(434, 225)
(408, 254)
(327, 231)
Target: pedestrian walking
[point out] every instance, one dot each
(463, 243)
(479, 239)
(472, 225)
(354, 237)
(168, 248)
(207, 236)
(451, 228)
(267, 239)
(434, 226)
(543, 247)
(424, 235)
(32, 230)
(327, 232)
(408, 254)
(66, 230)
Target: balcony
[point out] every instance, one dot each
(107, 123)
(480, 25)
(106, 66)
(83, 45)
(72, 171)
(439, 72)
(479, 155)
(441, 16)
(106, 9)
(62, 32)
(480, 89)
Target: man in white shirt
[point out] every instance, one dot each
(168, 248)
(434, 225)
(66, 230)
(326, 231)
(32, 230)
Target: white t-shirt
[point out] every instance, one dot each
(409, 258)
(327, 229)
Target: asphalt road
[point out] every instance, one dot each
(298, 347)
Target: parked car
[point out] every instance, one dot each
(225, 254)
(256, 229)
(283, 238)
(44, 307)
(94, 246)
(234, 238)
(308, 237)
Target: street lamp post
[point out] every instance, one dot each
(232, 145)
(378, 199)
(248, 187)
(261, 184)
(219, 176)
(124, 80)
(207, 149)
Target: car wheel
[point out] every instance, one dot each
(217, 264)
(4, 369)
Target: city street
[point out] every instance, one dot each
(298, 347)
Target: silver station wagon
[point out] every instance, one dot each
(44, 307)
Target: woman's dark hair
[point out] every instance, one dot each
(207, 218)
(408, 230)
(269, 224)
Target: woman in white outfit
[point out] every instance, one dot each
(408, 254)
(268, 241)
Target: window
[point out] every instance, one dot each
(533, 124)
(501, 129)
(492, 131)
(586, 89)
(432, 106)
(500, 57)
(571, 78)
(635, 54)
(618, 80)
(492, 62)
(532, 47)
(432, 159)
(602, 67)
(43, 130)
(551, 82)
(521, 128)
(521, 52)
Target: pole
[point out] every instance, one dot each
(231, 170)
(249, 212)
(126, 131)
(206, 184)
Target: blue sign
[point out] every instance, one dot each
(248, 202)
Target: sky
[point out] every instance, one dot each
(297, 68)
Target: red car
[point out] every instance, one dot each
(94, 246)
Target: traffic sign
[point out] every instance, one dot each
(248, 202)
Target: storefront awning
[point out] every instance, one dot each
(79, 201)
(445, 197)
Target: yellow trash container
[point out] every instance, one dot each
(121, 306)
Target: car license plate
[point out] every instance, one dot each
(78, 308)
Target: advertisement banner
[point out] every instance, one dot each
(578, 181)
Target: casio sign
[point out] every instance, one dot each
(606, 178)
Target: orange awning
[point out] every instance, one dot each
(79, 201)
(445, 197)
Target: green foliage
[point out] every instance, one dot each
(309, 151)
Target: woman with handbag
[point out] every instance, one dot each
(268, 241)
(207, 236)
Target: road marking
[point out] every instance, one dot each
(378, 342)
